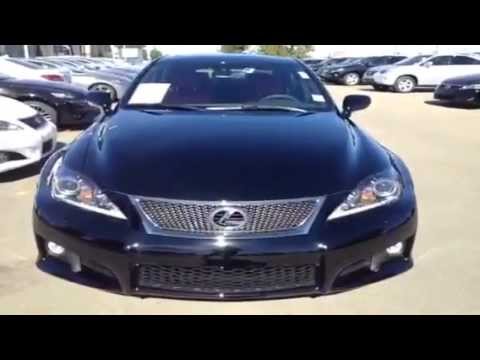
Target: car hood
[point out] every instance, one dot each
(109, 76)
(230, 156)
(380, 68)
(14, 110)
(403, 68)
(464, 80)
(45, 85)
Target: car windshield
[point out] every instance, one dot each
(413, 60)
(24, 63)
(228, 82)
(44, 65)
(4, 77)
(349, 61)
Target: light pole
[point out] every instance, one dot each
(25, 51)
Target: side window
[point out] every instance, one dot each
(441, 60)
(465, 60)
(396, 59)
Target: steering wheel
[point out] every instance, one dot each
(279, 97)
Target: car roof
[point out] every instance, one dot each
(228, 56)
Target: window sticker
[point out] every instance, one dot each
(149, 93)
(318, 98)
(304, 75)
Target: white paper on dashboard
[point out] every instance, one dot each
(149, 93)
(318, 98)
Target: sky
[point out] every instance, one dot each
(333, 50)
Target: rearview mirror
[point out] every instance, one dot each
(101, 99)
(353, 103)
(428, 64)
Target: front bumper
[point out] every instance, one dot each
(334, 77)
(111, 253)
(117, 270)
(368, 79)
(28, 146)
(382, 79)
(457, 95)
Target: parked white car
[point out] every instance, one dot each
(25, 137)
(428, 73)
(370, 73)
(24, 71)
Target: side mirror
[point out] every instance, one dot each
(353, 103)
(101, 99)
(428, 64)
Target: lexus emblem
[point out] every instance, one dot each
(228, 218)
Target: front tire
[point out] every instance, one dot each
(405, 84)
(351, 79)
(44, 110)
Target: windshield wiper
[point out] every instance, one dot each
(272, 108)
(165, 107)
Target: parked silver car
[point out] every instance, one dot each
(98, 80)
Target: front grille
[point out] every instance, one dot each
(47, 146)
(248, 218)
(35, 122)
(450, 86)
(215, 279)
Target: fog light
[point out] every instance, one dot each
(55, 249)
(395, 249)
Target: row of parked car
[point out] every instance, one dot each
(38, 95)
(57, 86)
(454, 77)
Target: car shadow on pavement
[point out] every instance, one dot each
(27, 171)
(452, 105)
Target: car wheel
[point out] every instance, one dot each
(44, 110)
(105, 88)
(351, 79)
(405, 84)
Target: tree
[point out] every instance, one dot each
(155, 53)
(234, 48)
(299, 51)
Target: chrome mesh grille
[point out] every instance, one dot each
(261, 216)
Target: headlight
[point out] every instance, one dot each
(75, 189)
(340, 69)
(383, 71)
(6, 126)
(62, 95)
(377, 190)
(471, 87)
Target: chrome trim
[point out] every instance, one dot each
(153, 229)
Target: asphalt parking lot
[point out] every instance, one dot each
(441, 146)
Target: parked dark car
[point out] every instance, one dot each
(463, 90)
(352, 72)
(330, 62)
(314, 64)
(225, 177)
(60, 103)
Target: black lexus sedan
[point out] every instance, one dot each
(463, 90)
(225, 177)
(352, 72)
(61, 103)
